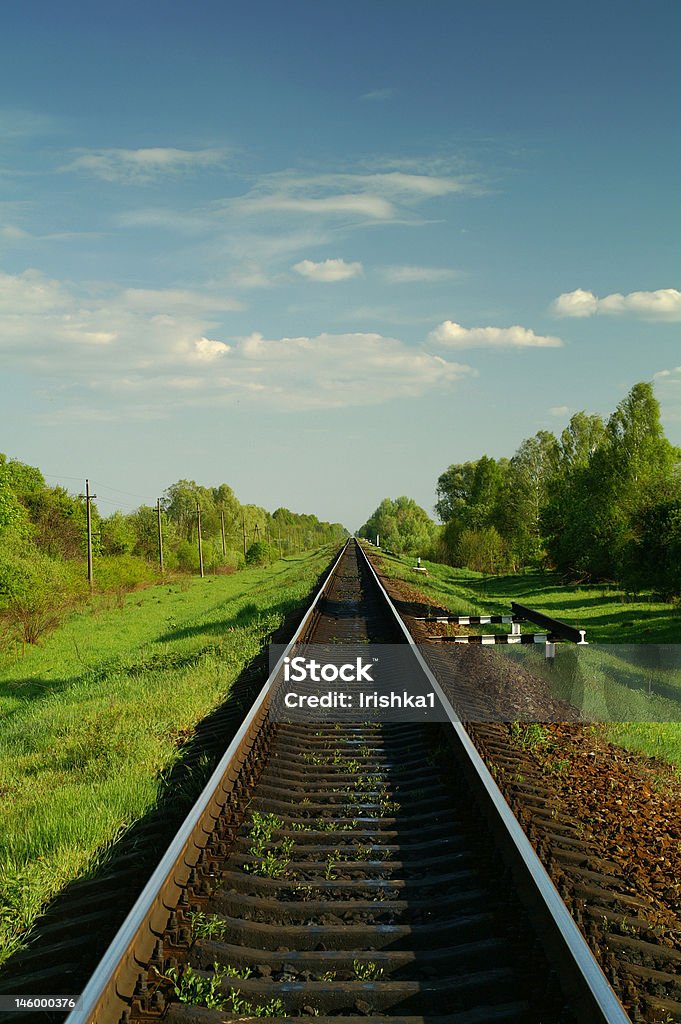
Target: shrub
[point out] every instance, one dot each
(187, 557)
(123, 572)
(259, 553)
(37, 590)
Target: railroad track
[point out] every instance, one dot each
(349, 868)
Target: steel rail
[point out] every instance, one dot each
(135, 939)
(602, 997)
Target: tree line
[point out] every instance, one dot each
(600, 501)
(43, 541)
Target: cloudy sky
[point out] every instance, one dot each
(321, 251)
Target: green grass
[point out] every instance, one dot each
(615, 686)
(608, 614)
(91, 720)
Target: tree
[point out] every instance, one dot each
(402, 525)
(531, 470)
(118, 536)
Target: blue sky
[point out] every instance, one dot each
(320, 252)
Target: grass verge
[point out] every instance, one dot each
(92, 720)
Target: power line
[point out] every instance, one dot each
(117, 490)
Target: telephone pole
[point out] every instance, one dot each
(243, 527)
(160, 533)
(198, 530)
(88, 499)
(222, 531)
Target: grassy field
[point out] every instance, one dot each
(618, 688)
(90, 719)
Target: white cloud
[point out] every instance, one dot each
(380, 196)
(137, 345)
(663, 304)
(31, 292)
(208, 350)
(340, 370)
(577, 303)
(44, 322)
(390, 183)
(137, 166)
(454, 335)
(373, 207)
(379, 94)
(414, 275)
(559, 410)
(328, 270)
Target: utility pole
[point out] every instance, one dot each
(243, 527)
(222, 531)
(280, 554)
(160, 533)
(269, 546)
(198, 529)
(256, 533)
(88, 498)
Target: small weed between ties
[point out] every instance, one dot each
(207, 926)
(329, 873)
(273, 862)
(238, 972)
(388, 806)
(529, 737)
(367, 972)
(196, 990)
(237, 1004)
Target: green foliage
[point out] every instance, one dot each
(263, 827)
(36, 590)
(13, 515)
(117, 533)
(601, 501)
(207, 926)
(59, 522)
(367, 971)
(273, 862)
(198, 990)
(652, 554)
(483, 550)
(238, 1005)
(259, 553)
(529, 736)
(402, 526)
(123, 572)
